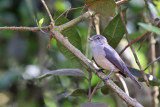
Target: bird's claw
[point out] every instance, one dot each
(99, 71)
(106, 79)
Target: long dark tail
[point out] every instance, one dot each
(132, 77)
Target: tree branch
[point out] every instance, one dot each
(61, 27)
(32, 29)
(64, 41)
(75, 21)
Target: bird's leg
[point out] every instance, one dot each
(109, 75)
(99, 70)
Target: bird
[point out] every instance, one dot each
(107, 58)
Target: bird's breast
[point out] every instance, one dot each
(99, 56)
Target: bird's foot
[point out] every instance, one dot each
(106, 78)
(99, 71)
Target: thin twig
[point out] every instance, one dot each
(121, 2)
(152, 63)
(143, 42)
(51, 18)
(89, 80)
(66, 11)
(75, 21)
(88, 35)
(62, 14)
(73, 9)
(50, 39)
(94, 90)
(123, 83)
(129, 41)
(96, 22)
(32, 29)
(134, 41)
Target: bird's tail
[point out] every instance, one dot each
(132, 77)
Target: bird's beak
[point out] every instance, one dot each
(90, 39)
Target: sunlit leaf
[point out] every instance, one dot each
(71, 34)
(64, 72)
(40, 22)
(150, 28)
(105, 8)
(157, 3)
(153, 81)
(94, 104)
(77, 92)
(115, 30)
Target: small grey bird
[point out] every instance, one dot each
(106, 57)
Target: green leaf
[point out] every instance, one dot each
(115, 30)
(72, 35)
(152, 81)
(105, 8)
(94, 104)
(77, 92)
(150, 28)
(105, 90)
(40, 22)
(64, 72)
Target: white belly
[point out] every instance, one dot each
(99, 56)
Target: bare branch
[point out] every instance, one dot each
(33, 29)
(75, 21)
(94, 90)
(50, 16)
(129, 41)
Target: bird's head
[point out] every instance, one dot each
(97, 40)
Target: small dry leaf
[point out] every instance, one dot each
(105, 8)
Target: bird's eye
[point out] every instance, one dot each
(98, 37)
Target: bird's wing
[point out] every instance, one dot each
(114, 58)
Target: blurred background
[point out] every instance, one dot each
(24, 56)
